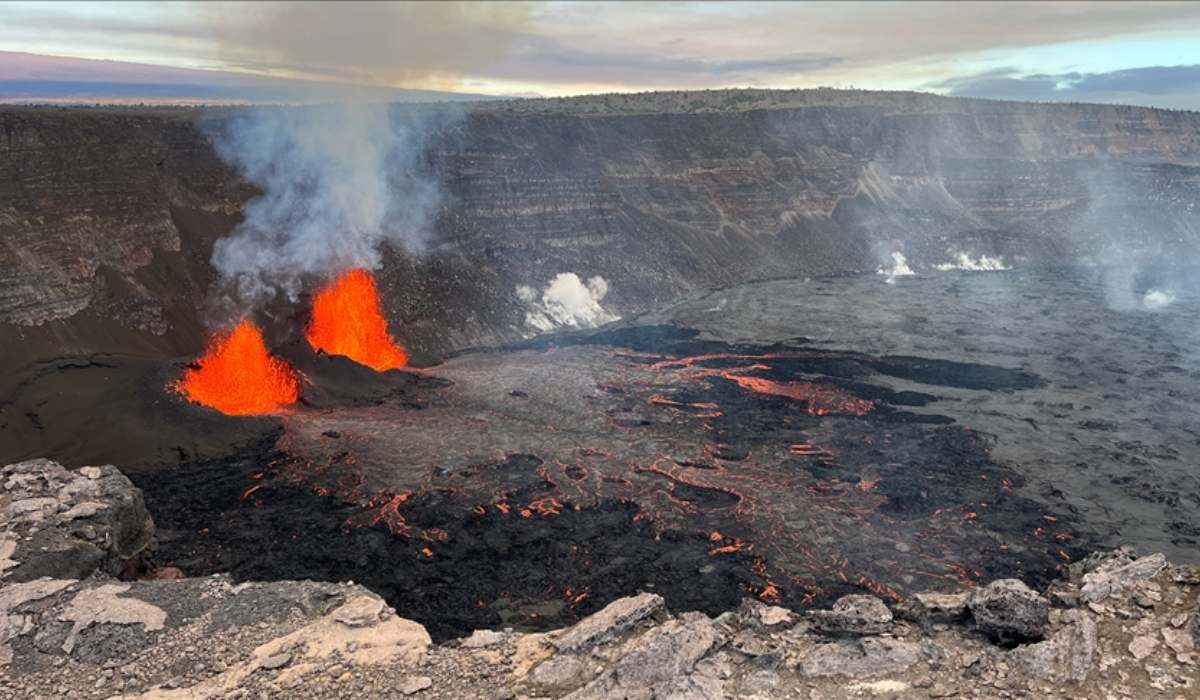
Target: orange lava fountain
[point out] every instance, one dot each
(239, 376)
(348, 320)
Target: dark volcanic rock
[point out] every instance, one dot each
(1008, 610)
(65, 524)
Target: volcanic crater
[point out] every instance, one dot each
(530, 485)
(771, 419)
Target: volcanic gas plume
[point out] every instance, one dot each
(347, 320)
(238, 375)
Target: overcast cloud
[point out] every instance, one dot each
(1142, 51)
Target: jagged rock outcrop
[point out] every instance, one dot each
(1110, 575)
(1068, 655)
(930, 608)
(608, 623)
(1008, 610)
(64, 524)
(210, 637)
(194, 638)
(853, 615)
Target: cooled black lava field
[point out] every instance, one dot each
(755, 441)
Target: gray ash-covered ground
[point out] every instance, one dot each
(1111, 429)
(793, 440)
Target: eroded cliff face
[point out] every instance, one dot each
(107, 217)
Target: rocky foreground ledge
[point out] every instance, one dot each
(1123, 627)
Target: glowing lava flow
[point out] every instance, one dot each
(347, 320)
(239, 376)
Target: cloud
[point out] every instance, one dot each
(1164, 86)
(370, 42)
(411, 44)
(553, 60)
(561, 48)
(867, 43)
(28, 77)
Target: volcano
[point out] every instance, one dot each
(593, 464)
(767, 417)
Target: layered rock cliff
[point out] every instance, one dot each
(107, 217)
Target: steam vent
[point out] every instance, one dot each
(729, 393)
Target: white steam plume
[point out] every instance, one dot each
(337, 182)
(566, 302)
(899, 268)
(1158, 298)
(340, 179)
(963, 261)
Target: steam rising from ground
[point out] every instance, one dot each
(899, 268)
(337, 182)
(1144, 237)
(566, 302)
(964, 261)
(1158, 298)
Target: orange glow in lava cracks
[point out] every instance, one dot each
(239, 376)
(348, 320)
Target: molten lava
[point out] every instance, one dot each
(239, 376)
(347, 320)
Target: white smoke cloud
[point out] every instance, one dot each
(344, 177)
(337, 182)
(566, 302)
(899, 268)
(1158, 298)
(984, 263)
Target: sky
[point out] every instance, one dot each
(1144, 53)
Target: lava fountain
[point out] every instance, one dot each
(347, 319)
(238, 375)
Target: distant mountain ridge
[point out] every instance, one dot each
(28, 77)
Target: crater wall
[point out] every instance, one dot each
(107, 216)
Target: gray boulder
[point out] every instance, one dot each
(1113, 574)
(853, 615)
(1195, 625)
(930, 608)
(869, 656)
(660, 663)
(670, 650)
(61, 523)
(616, 617)
(564, 671)
(1066, 657)
(755, 615)
(1007, 610)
